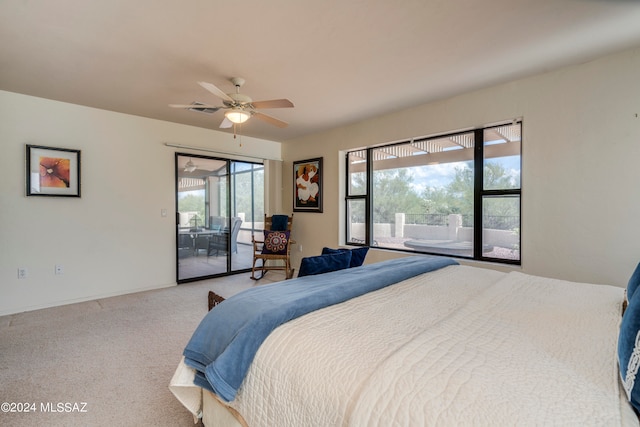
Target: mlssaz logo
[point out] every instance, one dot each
(63, 407)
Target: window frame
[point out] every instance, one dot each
(479, 194)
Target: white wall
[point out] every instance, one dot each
(581, 180)
(580, 200)
(113, 240)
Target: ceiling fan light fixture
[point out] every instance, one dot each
(237, 116)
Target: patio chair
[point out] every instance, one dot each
(218, 242)
(185, 245)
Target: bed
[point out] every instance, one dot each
(452, 345)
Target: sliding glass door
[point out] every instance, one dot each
(218, 201)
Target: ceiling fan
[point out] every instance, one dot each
(239, 107)
(190, 166)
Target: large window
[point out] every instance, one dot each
(456, 195)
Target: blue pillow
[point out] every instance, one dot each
(634, 282)
(357, 255)
(629, 351)
(324, 263)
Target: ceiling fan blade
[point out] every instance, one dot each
(270, 120)
(273, 103)
(217, 92)
(196, 106)
(226, 123)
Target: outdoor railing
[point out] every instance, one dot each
(496, 222)
(427, 219)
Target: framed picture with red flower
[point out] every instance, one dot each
(53, 171)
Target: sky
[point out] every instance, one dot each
(440, 175)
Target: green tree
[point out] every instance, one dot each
(497, 178)
(438, 200)
(393, 193)
(246, 200)
(457, 197)
(193, 202)
(460, 191)
(497, 211)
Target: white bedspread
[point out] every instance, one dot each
(473, 346)
(458, 346)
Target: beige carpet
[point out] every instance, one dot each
(106, 362)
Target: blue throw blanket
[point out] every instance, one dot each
(226, 341)
(279, 222)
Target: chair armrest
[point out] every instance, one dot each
(256, 244)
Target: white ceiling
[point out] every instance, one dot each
(338, 61)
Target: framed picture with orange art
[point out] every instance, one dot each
(53, 171)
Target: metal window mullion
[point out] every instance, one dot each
(368, 203)
(347, 220)
(230, 176)
(364, 197)
(478, 183)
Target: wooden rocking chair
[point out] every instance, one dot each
(275, 253)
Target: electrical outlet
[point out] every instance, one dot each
(59, 269)
(22, 273)
(300, 248)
